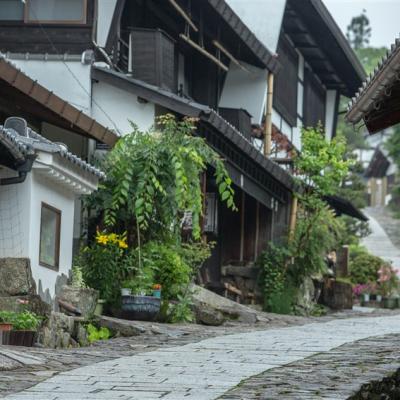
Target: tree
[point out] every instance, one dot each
(359, 31)
(153, 179)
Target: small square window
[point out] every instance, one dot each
(50, 227)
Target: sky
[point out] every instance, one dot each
(384, 16)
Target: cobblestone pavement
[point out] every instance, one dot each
(209, 368)
(390, 224)
(379, 242)
(338, 374)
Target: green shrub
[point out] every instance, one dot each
(22, 321)
(272, 264)
(282, 302)
(95, 334)
(364, 267)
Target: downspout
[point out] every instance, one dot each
(22, 173)
(268, 115)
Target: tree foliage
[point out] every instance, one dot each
(321, 169)
(359, 31)
(153, 178)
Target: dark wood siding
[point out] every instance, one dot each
(285, 88)
(153, 58)
(18, 37)
(314, 100)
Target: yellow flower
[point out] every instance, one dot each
(113, 238)
(122, 244)
(102, 239)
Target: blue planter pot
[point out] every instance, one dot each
(142, 308)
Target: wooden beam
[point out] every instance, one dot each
(182, 12)
(204, 52)
(229, 55)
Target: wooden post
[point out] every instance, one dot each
(242, 218)
(293, 217)
(204, 192)
(257, 231)
(268, 115)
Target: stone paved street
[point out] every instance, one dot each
(209, 368)
(380, 242)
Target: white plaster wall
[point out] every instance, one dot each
(281, 124)
(246, 90)
(330, 115)
(47, 191)
(70, 79)
(263, 17)
(121, 107)
(105, 12)
(14, 216)
(296, 137)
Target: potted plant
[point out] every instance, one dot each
(126, 288)
(363, 292)
(25, 325)
(157, 290)
(388, 284)
(6, 319)
(141, 305)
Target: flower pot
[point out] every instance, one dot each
(5, 326)
(126, 292)
(98, 311)
(157, 293)
(18, 338)
(365, 297)
(142, 308)
(390, 303)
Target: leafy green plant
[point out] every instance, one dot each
(364, 267)
(106, 264)
(272, 263)
(25, 321)
(6, 317)
(154, 177)
(95, 334)
(170, 270)
(182, 310)
(77, 280)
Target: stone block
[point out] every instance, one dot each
(205, 299)
(123, 327)
(20, 303)
(337, 295)
(16, 277)
(209, 317)
(84, 299)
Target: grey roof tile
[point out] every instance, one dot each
(22, 147)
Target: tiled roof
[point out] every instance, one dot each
(191, 108)
(22, 147)
(375, 86)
